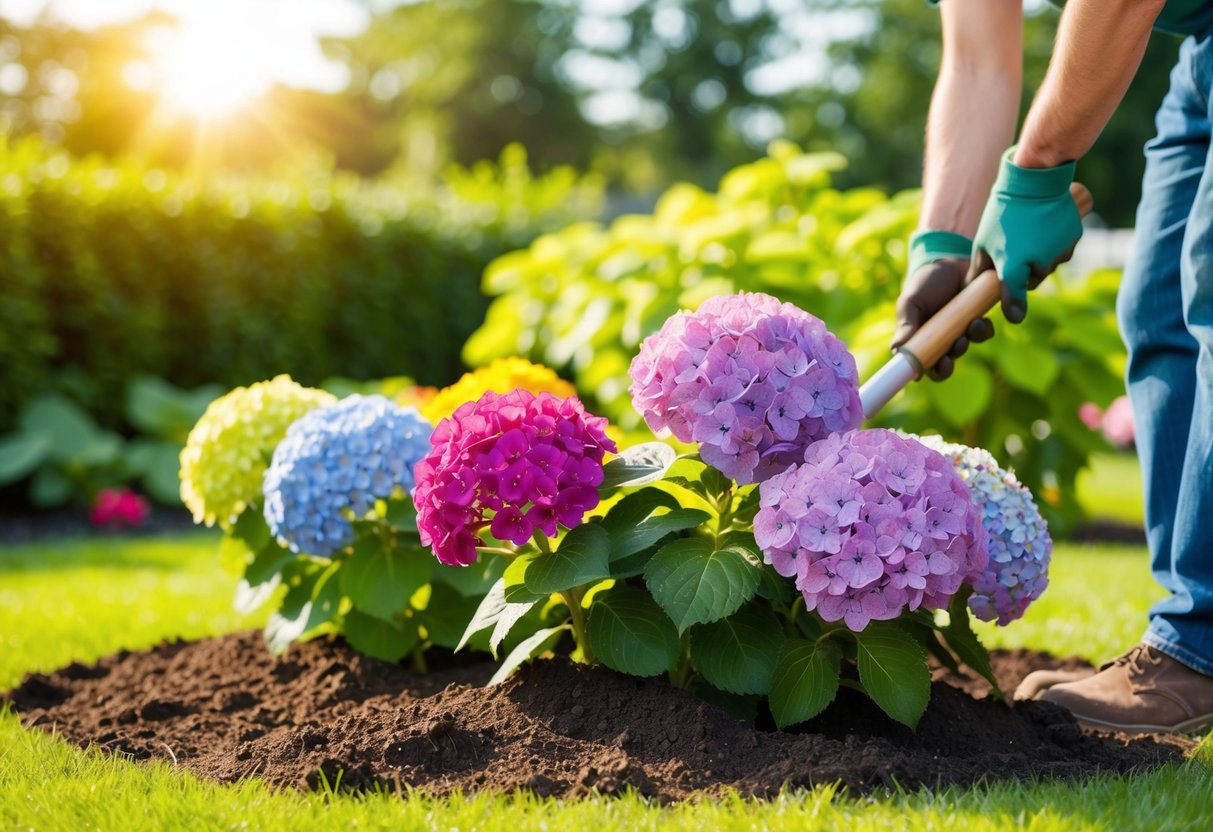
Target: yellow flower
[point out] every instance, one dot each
(501, 376)
(227, 452)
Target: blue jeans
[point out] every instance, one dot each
(1165, 309)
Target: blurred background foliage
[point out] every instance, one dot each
(614, 160)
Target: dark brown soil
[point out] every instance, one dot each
(225, 709)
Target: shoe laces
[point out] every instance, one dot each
(1134, 659)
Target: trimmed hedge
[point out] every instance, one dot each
(110, 272)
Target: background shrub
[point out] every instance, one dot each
(109, 272)
(583, 299)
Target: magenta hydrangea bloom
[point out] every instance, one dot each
(514, 463)
(751, 380)
(871, 525)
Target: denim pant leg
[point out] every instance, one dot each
(1166, 314)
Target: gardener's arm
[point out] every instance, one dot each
(971, 121)
(1030, 223)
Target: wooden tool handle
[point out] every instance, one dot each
(934, 338)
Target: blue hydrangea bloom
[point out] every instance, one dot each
(333, 464)
(1019, 543)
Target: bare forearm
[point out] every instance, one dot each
(1099, 48)
(964, 141)
(973, 110)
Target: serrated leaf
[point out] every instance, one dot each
(738, 653)
(696, 584)
(582, 557)
(964, 642)
(382, 639)
(379, 580)
(893, 671)
(511, 615)
(805, 681)
(535, 645)
(628, 632)
(305, 607)
(638, 465)
(21, 454)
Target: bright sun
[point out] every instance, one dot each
(207, 69)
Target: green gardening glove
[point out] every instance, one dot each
(1030, 225)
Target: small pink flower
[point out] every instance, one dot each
(118, 508)
(1117, 423)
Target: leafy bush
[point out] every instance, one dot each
(112, 272)
(582, 299)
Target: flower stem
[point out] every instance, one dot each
(572, 600)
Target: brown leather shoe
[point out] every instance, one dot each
(1038, 681)
(1143, 691)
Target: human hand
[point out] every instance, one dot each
(939, 262)
(1030, 226)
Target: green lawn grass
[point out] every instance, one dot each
(1110, 488)
(81, 600)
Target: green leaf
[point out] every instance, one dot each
(70, 430)
(961, 638)
(251, 529)
(638, 465)
(305, 607)
(50, 487)
(379, 580)
(1028, 366)
(249, 597)
(402, 516)
(21, 454)
(805, 681)
(535, 645)
(697, 584)
(641, 519)
(629, 632)
(965, 395)
(161, 409)
(471, 581)
(516, 590)
(446, 616)
(511, 615)
(384, 640)
(893, 671)
(581, 558)
(491, 606)
(739, 653)
(158, 465)
(267, 562)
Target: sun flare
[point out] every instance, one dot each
(205, 69)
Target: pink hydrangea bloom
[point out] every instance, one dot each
(871, 525)
(753, 381)
(116, 508)
(514, 463)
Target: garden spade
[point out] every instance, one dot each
(935, 337)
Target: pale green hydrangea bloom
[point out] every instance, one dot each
(225, 457)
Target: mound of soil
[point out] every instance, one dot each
(225, 709)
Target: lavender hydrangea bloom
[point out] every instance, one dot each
(753, 381)
(334, 463)
(871, 525)
(1018, 537)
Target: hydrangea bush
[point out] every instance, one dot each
(751, 380)
(791, 555)
(1017, 536)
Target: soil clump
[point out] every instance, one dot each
(225, 709)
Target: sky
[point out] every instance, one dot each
(295, 25)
